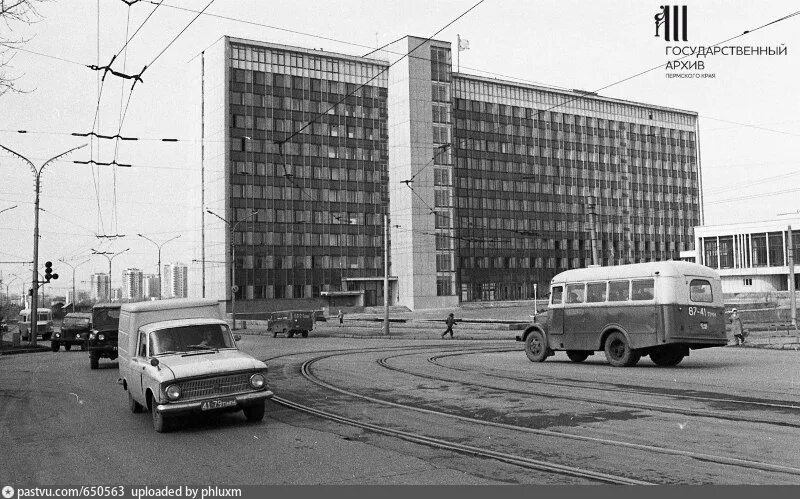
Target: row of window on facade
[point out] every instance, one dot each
(319, 217)
(368, 173)
(753, 250)
(266, 192)
(511, 96)
(268, 262)
(321, 128)
(307, 239)
(255, 60)
(263, 79)
(244, 144)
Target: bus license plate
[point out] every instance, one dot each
(217, 404)
(704, 325)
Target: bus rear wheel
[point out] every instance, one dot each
(618, 352)
(667, 356)
(577, 355)
(536, 346)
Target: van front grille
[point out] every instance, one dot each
(219, 385)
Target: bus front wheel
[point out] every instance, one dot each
(536, 346)
(618, 352)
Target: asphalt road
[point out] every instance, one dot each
(62, 423)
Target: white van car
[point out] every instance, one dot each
(179, 356)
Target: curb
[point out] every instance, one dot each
(24, 350)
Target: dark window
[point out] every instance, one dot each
(700, 290)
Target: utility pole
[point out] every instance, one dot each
(73, 267)
(234, 287)
(159, 258)
(37, 173)
(792, 295)
(202, 176)
(386, 274)
(109, 258)
(593, 230)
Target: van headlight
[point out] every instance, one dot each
(101, 337)
(91, 336)
(257, 381)
(173, 392)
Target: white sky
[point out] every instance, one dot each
(566, 43)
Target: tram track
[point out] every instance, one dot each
(307, 372)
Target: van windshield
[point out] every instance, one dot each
(190, 338)
(75, 321)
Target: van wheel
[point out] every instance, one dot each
(160, 422)
(54, 346)
(94, 360)
(133, 405)
(254, 413)
(618, 352)
(83, 347)
(536, 346)
(667, 356)
(67, 346)
(305, 334)
(290, 334)
(577, 355)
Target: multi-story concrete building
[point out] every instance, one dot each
(491, 184)
(132, 284)
(750, 257)
(176, 281)
(99, 283)
(150, 285)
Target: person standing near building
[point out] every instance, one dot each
(341, 318)
(450, 321)
(737, 328)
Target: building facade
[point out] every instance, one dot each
(176, 281)
(100, 287)
(751, 257)
(132, 289)
(150, 286)
(492, 187)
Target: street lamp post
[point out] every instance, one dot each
(37, 173)
(159, 257)
(8, 285)
(234, 288)
(73, 267)
(109, 258)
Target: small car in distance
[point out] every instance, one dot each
(291, 322)
(75, 330)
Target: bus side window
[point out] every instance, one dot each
(595, 292)
(618, 290)
(642, 289)
(575, 293)
(555, 295)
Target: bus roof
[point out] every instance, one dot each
(667, 269)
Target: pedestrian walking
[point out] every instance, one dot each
(341, 318)
(450, 321)
(737, 328)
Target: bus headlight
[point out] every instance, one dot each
(173, 392)
(257, 381)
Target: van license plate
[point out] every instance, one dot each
(217, 404)
(704, 325)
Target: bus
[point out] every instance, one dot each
(44, 323)
(660, 309)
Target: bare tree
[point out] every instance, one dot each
(13, 13)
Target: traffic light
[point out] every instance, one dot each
(48, 272)
(30, 291)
